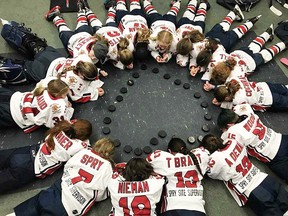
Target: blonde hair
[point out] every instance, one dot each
(185, 45)
(222, 71)
(88, 70)
(124, 54)
(143, 35)
(165, 37)
(55, 87)
(105, 148)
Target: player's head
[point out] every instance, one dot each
(225, 118)
(164, 40)
(204, 56)
(86, 70)
(141, 43)
(226, 92)
(82, 128)
(137, 169)
(212, 143)
(176, 145)
(185, 45)
(125, 55)
(100, 50)
(56, 88)
(105, 148)
(222, 71)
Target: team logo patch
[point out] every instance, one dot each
(56, 108)
(71, 81)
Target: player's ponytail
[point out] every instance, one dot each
(227, 92)
(57, 88)
(105, 148)
(185, 45)
(64, 126)
(212, 143)
(178, 145)
(137, 169)
(124, 54)
(64, 71)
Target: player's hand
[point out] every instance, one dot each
(215, 102)
(103, 73)
(208, 86)
(130, 66)
(69, 104)
(194, 70)
(100, 92)
(180, 63)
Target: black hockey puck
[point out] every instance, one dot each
(191, 139)
(117, 142)
(162, 134)
(127, 149)
(186, 86)
(204, 104)
(138, 151)
(167, 76)
(111, 108)
(154, 141)
(123, 90)
(208, 116)
(106, 130)
(107, 120)
(155, 70)
(130, 82)
(143, 67)
(119, 98)
(147, 149)
(205, 128)
(135, 75)
(200, 138)
(197, 95)
(177, 82)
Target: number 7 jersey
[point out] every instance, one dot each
(85, 178)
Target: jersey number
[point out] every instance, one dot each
(259, 130)
(191, 174)
(140, 206)
(83, 176)
(245, 166)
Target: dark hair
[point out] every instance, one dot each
(178, 145)
(227, 116)
(81, 129)
(212, 143)
(204, 57)
(137, 169)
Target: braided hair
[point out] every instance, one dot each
(179, 146)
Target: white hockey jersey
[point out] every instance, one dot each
(80, 90)
(262, 142)
(258, 95)
(130, 24)
(180, 33)
(113, 35)
(47, 162)
(156, 27)
(30, 112)
(80, 43)
(233, 166)
(135, 197)
(85, 178)
(184, 189)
